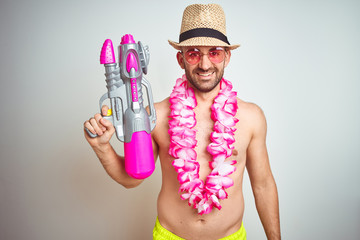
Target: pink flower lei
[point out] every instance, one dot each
(200, 195)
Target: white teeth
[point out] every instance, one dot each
(205, 74)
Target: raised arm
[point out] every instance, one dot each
(111, 161)
(262, 180)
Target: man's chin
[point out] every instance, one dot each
(206, 85)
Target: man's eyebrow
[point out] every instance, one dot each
(217, 48)
(192, 49)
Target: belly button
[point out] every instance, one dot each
(235, 152)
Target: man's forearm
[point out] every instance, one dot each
(267, 204)
(114, 166)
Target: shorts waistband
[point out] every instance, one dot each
(161, 233)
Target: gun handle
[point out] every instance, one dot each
(151, 103)
(90, 133)
(139, 156)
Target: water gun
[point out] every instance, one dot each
(132, 123)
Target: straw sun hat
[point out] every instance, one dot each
(203, 25)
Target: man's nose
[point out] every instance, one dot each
(205, 62)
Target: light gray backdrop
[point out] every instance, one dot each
(299, 61)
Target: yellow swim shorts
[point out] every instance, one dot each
(160, 233)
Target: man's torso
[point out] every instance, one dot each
(175, 214)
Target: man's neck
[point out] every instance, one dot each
(206, 97)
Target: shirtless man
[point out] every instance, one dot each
(203, 55)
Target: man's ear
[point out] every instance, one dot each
(227, 57)
(180, 60)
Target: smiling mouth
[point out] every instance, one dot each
(205, 74)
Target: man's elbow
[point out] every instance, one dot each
(265, 185)
(132, 184)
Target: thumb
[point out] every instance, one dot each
(106, 123)
(110, 130)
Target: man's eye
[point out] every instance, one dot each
(193, 54)
(214, 53)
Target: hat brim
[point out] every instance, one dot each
(202, 41)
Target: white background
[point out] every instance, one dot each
(298, 60)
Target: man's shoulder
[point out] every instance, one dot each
(249, 108)
(164, 101)
(251, 114)
(162, 106)
(162, 109)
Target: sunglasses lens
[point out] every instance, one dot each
(193, 56)
(216, 56)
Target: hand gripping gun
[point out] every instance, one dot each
(132, 123)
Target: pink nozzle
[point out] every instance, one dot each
(127, 38)
(107, 53)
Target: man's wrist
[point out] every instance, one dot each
(101, 149)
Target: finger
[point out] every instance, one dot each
(106, 123)
(96, 127)
(104, 110)
(88, 126)
(97, 118)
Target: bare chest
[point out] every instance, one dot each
(204, 128)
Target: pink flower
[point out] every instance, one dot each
(179, 163)
(205, 206)
(218, 127)
(220, 148)
(222, 194)
(231, 106)
(184, 142)
(214, 181)
(181, 131)
(224, 118)
(184, 176)
(220, 137)
(186, 153)
(215, 201)
(224, 168)
(226, 85)
(193, 186)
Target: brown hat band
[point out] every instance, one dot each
(203, 32)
